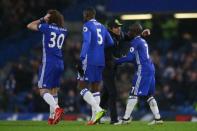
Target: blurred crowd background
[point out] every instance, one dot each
(172, 43)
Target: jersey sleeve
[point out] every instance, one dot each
(86, 42)
(130, 57)
(43, 27)
(108, 39)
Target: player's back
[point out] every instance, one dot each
(53, 40)
(99, 36)
(143, 61)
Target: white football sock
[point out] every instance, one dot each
(98, 99)
(154, 108)
(88, 97)
(130, 106)
(52, 111)
(93, 114)
(50, 100)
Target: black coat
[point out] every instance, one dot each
(120, 48)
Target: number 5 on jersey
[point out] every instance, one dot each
(100, 38)
(56, 40)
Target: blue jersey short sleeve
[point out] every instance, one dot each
(43, 27)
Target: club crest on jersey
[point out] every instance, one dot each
(85, 29)
(131, 49)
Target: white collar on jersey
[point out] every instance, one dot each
(137, 37)
(92, 20)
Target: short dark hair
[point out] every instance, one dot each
(56, 17)
(90, 11)
(136, 28)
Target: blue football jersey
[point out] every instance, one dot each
(53, 40)
(95, 39)
(139, 55)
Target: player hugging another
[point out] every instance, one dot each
(54, 34)
(144, 79)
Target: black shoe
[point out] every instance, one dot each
(112, 122)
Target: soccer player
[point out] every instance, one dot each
(54, 34)
(144, 78)
(109, 90)
(90, 68)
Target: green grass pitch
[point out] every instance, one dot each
(80, 126)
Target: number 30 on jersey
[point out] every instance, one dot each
(56, 40)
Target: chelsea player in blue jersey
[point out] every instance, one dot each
(144, 78)
(54, 34)
(92, 61)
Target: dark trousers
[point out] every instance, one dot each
(109, 92)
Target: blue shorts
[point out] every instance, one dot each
(49, 74)
(92, 74)
(143, 85)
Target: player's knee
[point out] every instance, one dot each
(43, 91)
(150, 98)
(147, 98)
(95, 87)
(82, 85)
(133, 97)
(54, 91)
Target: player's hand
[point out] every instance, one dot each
(79, 68)
(115, 59)
(146, 32)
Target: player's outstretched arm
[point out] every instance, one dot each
(128, 58)
(34, 24)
